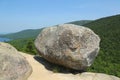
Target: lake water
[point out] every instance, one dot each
(4, 39)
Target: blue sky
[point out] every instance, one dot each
(17, 15)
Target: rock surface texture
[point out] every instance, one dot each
(13, 66)
(69, 45)
(97, 76)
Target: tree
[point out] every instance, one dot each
(30, 47)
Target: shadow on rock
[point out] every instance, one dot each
(54, 67)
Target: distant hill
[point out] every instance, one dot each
(32, 33)
(81, 22)
(29, 33)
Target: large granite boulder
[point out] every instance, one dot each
(69, 45)
(13, 66)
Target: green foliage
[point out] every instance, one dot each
(25, 45)
(30, 48)
(56, 69)
(108, 60)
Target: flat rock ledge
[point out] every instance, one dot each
(86, 76)
(41, 73)
(97, 76)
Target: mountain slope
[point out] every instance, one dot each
(81, 22)
(29, 33)
(108, 60)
